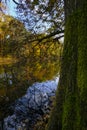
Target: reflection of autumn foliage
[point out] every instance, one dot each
(42, 61)
(24, 59)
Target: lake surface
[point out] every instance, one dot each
(16, 78)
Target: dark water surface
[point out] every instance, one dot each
(16, 78)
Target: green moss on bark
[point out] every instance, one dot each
(70, 109)
(82, 63)
(71, 118)
(65, 111)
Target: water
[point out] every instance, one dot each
(32, 105)
(16, 78)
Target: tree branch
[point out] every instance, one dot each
(57, 38)
(49, 36)
(16, 2)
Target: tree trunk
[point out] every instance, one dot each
(68, 112)
(82, 61)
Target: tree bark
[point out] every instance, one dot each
(82, 61)
(70, 109)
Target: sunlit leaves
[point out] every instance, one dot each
(37, 60)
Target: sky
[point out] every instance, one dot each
(11, 8)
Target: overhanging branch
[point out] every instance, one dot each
(49, 36)
(16, 2)
(57, 38)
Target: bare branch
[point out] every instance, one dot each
(48, 36)
(16, 2)
(57, 38)
(51, 35)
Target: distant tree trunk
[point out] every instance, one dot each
(70, 108)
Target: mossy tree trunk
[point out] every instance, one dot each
(68, 112)
(82, 61)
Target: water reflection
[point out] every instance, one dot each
(15, 78)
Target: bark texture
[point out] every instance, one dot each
(82, 61)
(70, 108)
